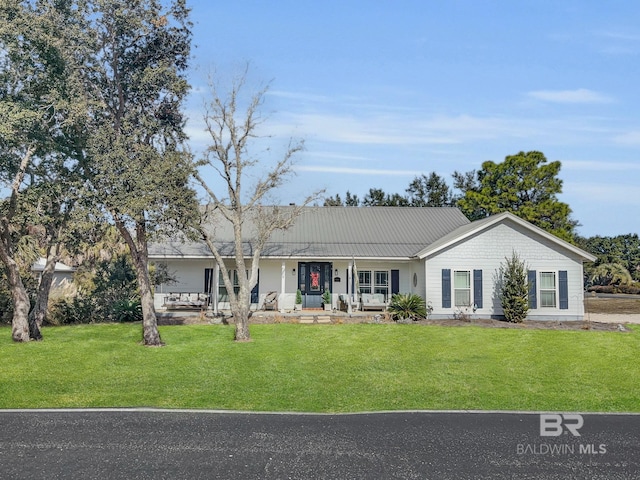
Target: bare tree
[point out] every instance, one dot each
(232, 130)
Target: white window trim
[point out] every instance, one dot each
(468, 289)
(373, 285)
(555, 289)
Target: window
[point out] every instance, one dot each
(547, 289)
(223, 295)
(382, 283)
(374, 282)
(462, 288)
(364, 278)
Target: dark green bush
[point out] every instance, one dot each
(108, 297)
(74, 310)
(127, 311)
(407, 306)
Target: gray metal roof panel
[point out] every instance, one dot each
(389, 232)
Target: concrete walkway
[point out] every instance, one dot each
(608, 318)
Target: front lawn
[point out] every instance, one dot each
(324, 368)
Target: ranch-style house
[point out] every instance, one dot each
(364, 255)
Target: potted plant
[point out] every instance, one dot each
(298, 301)
(326, 300)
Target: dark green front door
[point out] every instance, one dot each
(314, 279)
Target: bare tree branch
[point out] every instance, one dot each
(229, 155)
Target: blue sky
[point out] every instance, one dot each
(382, 91)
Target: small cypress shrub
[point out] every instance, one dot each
(514, 292)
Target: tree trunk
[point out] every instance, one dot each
(139, 254)
(241, 311)
(21, 304)
(20, 322)
(19, 296)
(242, 325)
(150, 333)
(34, 328)
(39, 312)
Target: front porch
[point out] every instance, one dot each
(367, 287)
(284, 303)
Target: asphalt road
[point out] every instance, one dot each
(146, 444)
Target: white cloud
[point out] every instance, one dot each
(581, 95)
(198, 137)
(599, 165)
(618, 35)
(395, 128)
(611, 194)
(300, 96)
(336, 156)
(357, 171)
(629, 138)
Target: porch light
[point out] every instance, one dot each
(293, 271)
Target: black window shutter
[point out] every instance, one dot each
(446, 288)
(395, 281)
(349, 280)
(477, 288)
(208, 280)
(563, 285)
(533, 299)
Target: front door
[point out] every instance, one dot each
(314, 280)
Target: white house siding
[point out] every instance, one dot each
(487, 251)
(190, 275)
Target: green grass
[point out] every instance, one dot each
(338, 368)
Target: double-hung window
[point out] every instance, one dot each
(364, 279)
(548, 289)
(376, 281)
(223, 294)
(382, 283)
(462, 288)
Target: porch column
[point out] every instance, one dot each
(283, 277)
(426, 283)
(349, 282)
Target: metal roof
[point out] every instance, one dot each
(336, 232)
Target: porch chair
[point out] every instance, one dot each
(270, 301)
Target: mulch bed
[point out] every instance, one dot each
(531, 325)
(485, 323)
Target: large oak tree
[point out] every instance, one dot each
(137, 165)
(41, 117)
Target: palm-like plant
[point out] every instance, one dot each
(128, 310)
(611, 274)
(407, 305)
